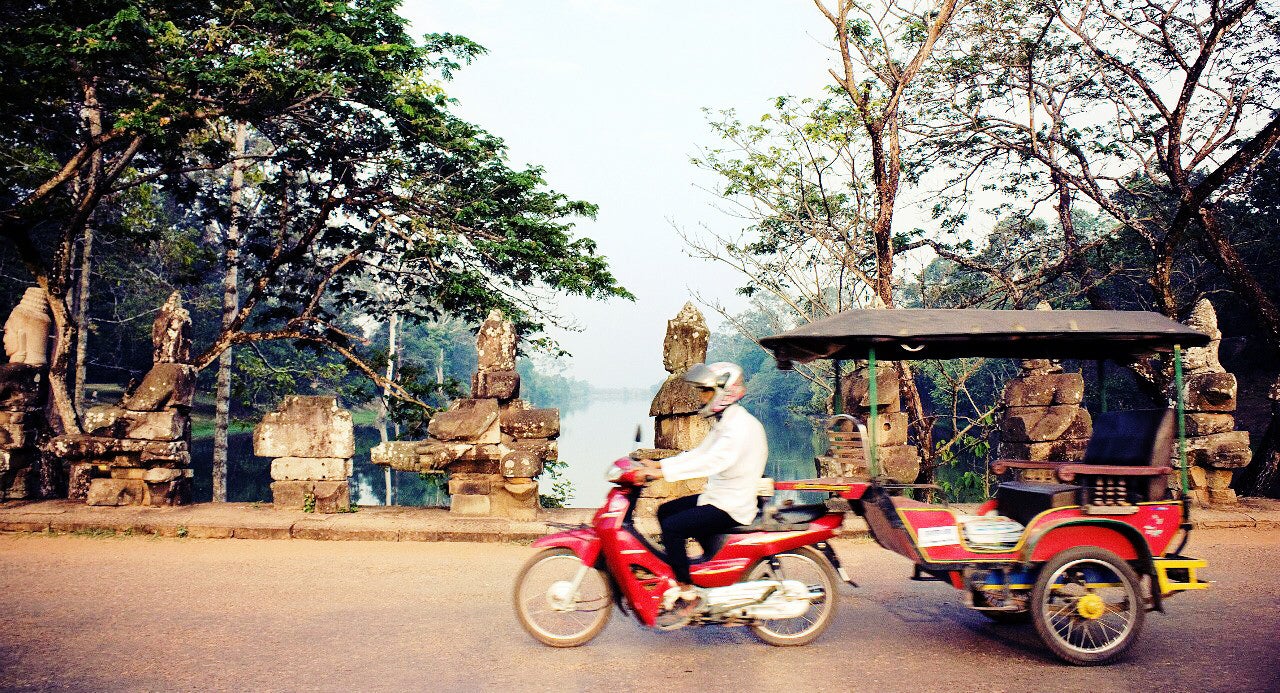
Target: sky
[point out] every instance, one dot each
(607, 96)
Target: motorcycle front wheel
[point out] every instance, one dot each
(552, 609)
(810, 567)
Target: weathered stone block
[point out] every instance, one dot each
(14, 436)
(291, 495)
(116, 422)
(19, 483)
(856, 390)
(470, 505)
(397, 454)
(310, 468)
(685, 343)
(675, 396)
(1222, 497)
(165, 385)
(128, 472)
(332, 497)
(15, 459)
(1220, 450)
(305, 427)
(1219, 479)
(1040, 366)
(169, 424)
(520, 464)
(496, 344)
(531, 423)
(487, 467)
(79, 476)
(1044, 390)
(1038, 424)
(482, 452)
(541, 448)
(165, 493)
(79, 446)
(892, 429)
(161, 475)
(680, 432)
(1063, 450)
(1202, 424)
(101, 420)
(435, 456)
(12, 417)
(116, 492)
(166, 452)
(517, 500)
(471, 420)
(499, 385)
(19, 386)
(900, 463)
(1210, 392)
(472, 484)
(1197, 477)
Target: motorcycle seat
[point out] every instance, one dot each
(783, 519)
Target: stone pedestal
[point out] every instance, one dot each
(897, 460)
(1214, 448)
(676, 424)
(137, 452)
(493, 445)
(312, 441)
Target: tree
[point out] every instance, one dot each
(1154, 113)
(365, 176)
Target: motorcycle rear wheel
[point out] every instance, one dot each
(812, 568)
(551, 615)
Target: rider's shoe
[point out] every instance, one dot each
(680, 607)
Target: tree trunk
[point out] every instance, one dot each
(82, 317)
(230, 305)
(382, 401)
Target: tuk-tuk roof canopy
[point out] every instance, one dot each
(947, 333)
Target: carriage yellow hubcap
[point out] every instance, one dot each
(1090, 606)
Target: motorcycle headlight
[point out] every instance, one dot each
(613, 473)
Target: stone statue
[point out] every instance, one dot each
(26, 332)
(171, 332)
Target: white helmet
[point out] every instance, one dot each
(723, 378)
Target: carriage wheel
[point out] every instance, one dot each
(1087, 605)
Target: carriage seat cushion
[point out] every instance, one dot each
(1022, 500)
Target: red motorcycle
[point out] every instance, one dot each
(778, 576)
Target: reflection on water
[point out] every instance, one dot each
(249, 477)
(591, 438)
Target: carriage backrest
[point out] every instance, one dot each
(1136, 438)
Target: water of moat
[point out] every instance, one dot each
(591, 437)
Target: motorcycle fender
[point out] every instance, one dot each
(583, 542)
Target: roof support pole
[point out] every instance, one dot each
(1182, 431)
(837, 402)
(873, 425)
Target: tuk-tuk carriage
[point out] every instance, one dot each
(1082, 549)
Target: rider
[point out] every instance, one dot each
(732, 456)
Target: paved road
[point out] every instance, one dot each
(89, 613)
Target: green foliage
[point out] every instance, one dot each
(561, 489)
(543, 387)
(365, 194)
(309, 503)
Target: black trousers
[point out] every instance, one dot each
(683, 519)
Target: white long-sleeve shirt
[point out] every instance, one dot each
(732, 457)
